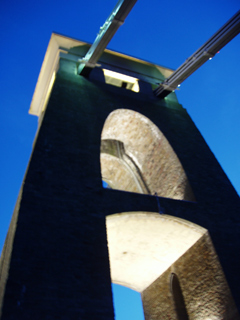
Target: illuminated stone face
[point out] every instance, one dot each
(145, 249)
(203, 285)
(143, 245)
(148, 163)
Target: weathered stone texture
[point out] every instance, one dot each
(143, 142)
(203, 285)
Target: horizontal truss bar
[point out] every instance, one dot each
(204, 53)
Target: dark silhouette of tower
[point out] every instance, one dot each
(167, 225)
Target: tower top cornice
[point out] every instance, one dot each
(61, 46)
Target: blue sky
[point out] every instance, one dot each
(165, 33)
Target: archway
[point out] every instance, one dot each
(137, 157)
(143, 245)
(146, 248)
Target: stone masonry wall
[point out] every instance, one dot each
(56, 264)
(204, 288)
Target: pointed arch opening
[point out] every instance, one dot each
(137, 157)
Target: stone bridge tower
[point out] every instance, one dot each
(166, 226)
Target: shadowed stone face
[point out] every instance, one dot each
(148, 163)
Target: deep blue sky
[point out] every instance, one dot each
(163, 32)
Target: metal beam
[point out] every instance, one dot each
(106, 32)
(204, 53)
